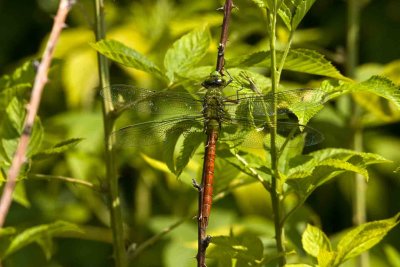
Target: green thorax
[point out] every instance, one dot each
(213, 105)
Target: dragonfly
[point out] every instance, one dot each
(240, 120)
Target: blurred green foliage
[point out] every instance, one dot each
(152, 197)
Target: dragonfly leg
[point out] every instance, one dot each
(230, 78)
(200, 189)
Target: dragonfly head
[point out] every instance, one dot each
(214, 80)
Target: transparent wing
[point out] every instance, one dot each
(152, 102)
(262, 105)
(154, 132)
(258, 133)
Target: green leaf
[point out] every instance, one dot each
(11, 130)
(80, 84)
(344, 165)
(127, 56)
(57, 149)
(46, 244)
(186, 52)
(19, 195)
(311, 62)
(19, 91)
(298, 265)
(326, 258)
(307, 172)
(299, 60)
(302, 7)
(189, 146)
(246, 248)
(24, 74)
(392, 255)
(379, 86)
(159, 165)
(7, 231)
(37, 233)
(285, 14)
(363, 237)
(314, 241)
(260, 3)
(247, 60)
(171, 139)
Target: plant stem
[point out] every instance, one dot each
(209, 155)
(64, 179)
(108, 118)
(39, 83)
(276, 191)
(224, 36)
(359, 200)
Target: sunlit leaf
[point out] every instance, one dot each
(5, 231)
(392, 255)
(159, 165)
(57, 149)
(302, 7)
(299, 60)
(314, 241)
(260, 3)
(20, 91)
(298, 265)
(326, 258)
(363, 237)
(80, 83)
(247, 248)
(307, 172)
(23, 75)
(186, 52)
(380, 86)
(127, 56)
(36, 233)
(286, 15)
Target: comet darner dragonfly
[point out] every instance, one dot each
(239, 120)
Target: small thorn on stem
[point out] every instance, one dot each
(220, 8)
(196, 185)
(206, 242)
(36, 64)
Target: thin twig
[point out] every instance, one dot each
(224, 36)
(152, 240)
(65, 179)
(40, 82)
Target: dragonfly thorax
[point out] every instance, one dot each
(213, 109)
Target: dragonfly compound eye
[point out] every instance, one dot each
(214, 81)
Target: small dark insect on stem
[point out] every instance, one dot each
(227, 8)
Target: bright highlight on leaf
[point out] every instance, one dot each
(127, 56)
(186, 52)
(352, 244)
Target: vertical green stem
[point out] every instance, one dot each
(359, 200)
(112, 178)
(276, 190)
